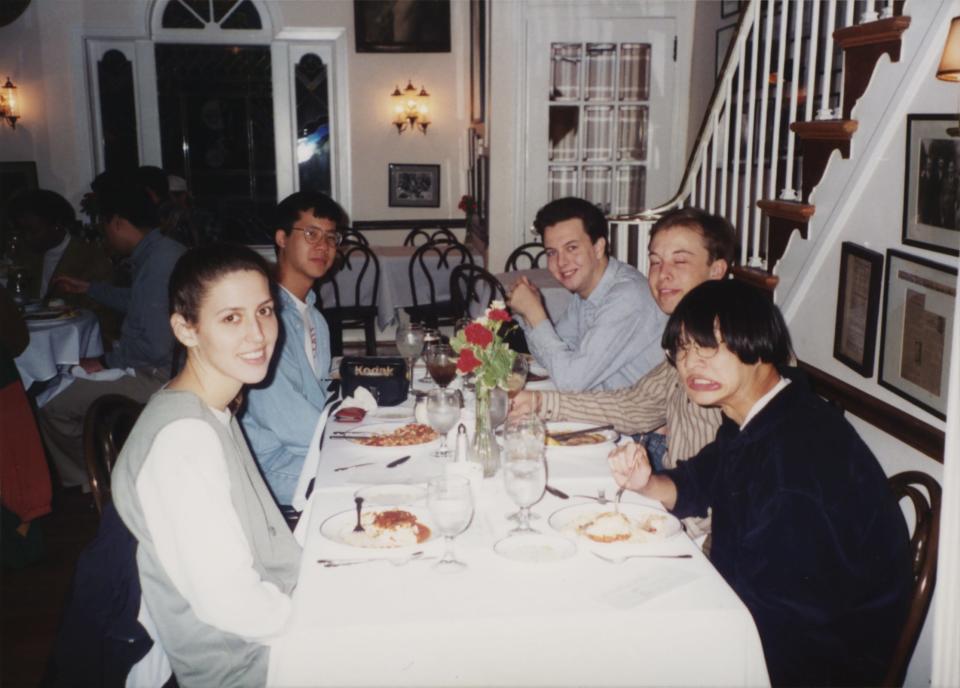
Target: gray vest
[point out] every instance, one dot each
(200, 654)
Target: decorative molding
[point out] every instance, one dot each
(908, 429)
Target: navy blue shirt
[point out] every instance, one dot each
(809, 535)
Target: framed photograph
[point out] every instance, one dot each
(414, 186)
(400, 26)
(919, 305)
(478, 60)
(858, 307)
(729, 8)
(931, 202)
(725, 34)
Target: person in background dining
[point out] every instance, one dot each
(805, 527)
(608, 337)
(128, 217)
(282, 412)
(687, 247)
(216, 559)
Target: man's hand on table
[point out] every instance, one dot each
(91, 365)
(525, 299)
(524, 403)
(70, 285)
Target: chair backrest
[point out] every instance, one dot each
(422, 264)
(362, 263)
(419, 236)
(525, 257)
(470, 284)
(348, 235)
(106, 427)
(924, 544)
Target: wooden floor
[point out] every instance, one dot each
(31, 599)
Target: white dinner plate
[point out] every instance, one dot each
(566, 520)
(535, 548)
(384, 428)
(339, 528)
(598, 450)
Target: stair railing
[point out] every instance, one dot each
(746, 149)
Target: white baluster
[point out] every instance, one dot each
(745, 211)
(887, 10)
(788, 193)
(725, 150)
(711, 205)
(869, 12)
(812, 49)
(737, 139)
(825, 112)
(703, 181)
(755, 259)
(778, 103)
(848, 13)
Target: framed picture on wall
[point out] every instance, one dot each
(414, 186)
(858, 307)
(919, 305)
(931, 202)
(400, 26)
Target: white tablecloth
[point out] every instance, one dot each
(394, 283)
(555, 295)
(575, 622)
(58, 343)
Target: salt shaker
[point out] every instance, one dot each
(461, 446)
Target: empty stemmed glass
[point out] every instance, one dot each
(451, 505)
(410, 344)
(524, 465)
(443, 412)
(441, 363)
(499, 407)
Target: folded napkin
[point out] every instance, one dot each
(105, 375)
(362, 399)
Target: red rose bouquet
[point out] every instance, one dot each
(482, 349)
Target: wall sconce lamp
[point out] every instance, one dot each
(9, 104)
(410, 108)
(949, 69)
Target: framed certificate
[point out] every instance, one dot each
(858, 307)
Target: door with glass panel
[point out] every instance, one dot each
(601, 114)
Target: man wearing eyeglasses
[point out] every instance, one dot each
(282, 411)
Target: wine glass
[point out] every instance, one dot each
(441, 363)
(443, 412)
(431, 338)
(499, 407)
(517, 377)
(410, 344)
(525, 477)
(524, 438)
(451, 505)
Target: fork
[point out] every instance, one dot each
(396, 561)
(621, 559)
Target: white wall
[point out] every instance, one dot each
(43, 53)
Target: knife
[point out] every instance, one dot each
(392, 464)
(561, 436)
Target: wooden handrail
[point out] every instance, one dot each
(912, 431)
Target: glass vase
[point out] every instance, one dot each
(484, 449)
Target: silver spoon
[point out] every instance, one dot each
(620, 560)
(396, 561)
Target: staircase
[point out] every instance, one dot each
(782, 107)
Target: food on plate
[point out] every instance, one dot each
(576, 440)
(405, 435)
(385, 529)
(610, 526)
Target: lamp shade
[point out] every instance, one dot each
(949, 69)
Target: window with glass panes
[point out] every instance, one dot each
(599, 114)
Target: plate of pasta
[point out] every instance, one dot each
(389, 438)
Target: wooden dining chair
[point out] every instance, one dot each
(352, 311)
(526, 257)
(423, 270)
(349, 235)
(106, 426)
(924, 544)
(419, 236)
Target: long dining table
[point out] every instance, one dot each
(500, 622)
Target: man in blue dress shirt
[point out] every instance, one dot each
(609, 336)
(128, 217)
(281, 413)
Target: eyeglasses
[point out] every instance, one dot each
(701, 351)
(315, 236)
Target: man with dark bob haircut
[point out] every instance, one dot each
(608, 337)
(282, 412)
(805, 527)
